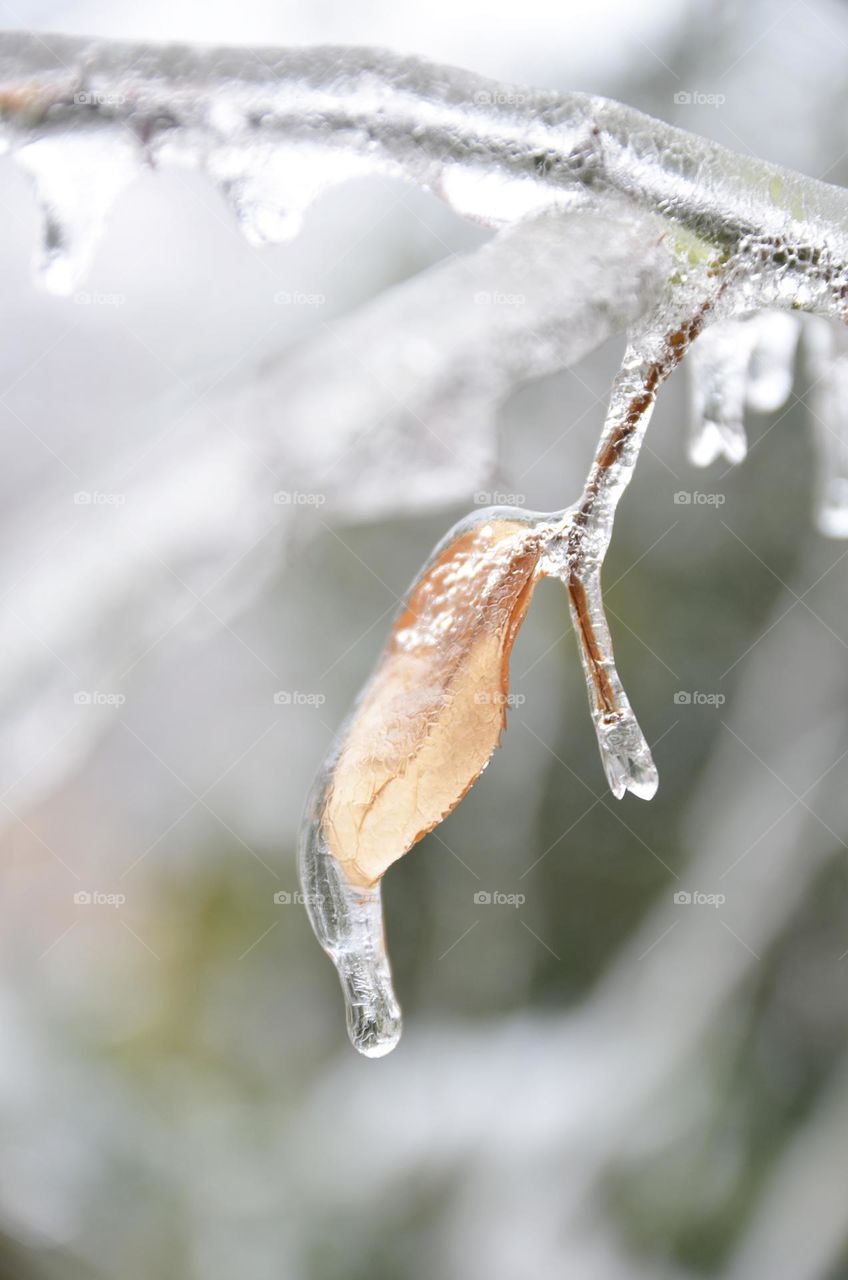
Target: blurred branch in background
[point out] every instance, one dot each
(391, 410)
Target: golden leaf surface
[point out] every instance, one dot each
(435, 709)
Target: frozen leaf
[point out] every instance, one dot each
(433, 714)
(422, 733)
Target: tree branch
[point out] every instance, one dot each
(273, 127)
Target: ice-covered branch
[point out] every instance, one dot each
(273, 127)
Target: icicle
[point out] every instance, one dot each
(827, 353)
(738, 363)
(771, 371)
(270, 187)
(348, 922)
(77, 178)
(718, 370)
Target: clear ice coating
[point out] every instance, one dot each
(572, 545)
(274, 127)
(348, 922)
(427, 723)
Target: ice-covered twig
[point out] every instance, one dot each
(654, 350)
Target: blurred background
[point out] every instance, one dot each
(641, 1069)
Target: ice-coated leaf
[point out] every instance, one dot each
(421, 734)
(431, 717)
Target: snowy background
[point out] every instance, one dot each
(602, 1082)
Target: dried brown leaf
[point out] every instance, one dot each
(434, 711)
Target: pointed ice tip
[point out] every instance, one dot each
(735, 447)
(374, 1032)
(639, 777)
(372, 1012)
(715, 440)
(705, 446)
(626, 758)
(57, 275)
(644, 781)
